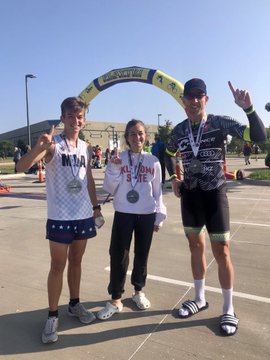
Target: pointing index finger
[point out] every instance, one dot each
(231, 87)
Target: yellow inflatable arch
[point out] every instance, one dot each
(134, 73)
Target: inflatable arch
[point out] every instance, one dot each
(133, 73)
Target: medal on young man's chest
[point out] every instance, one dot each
(74, 186)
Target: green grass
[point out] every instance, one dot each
(234, 155)
(6, 169)
(263, 174)
(8, 159)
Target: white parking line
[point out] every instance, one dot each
(248, 223)
(207, 288)
(247, 198)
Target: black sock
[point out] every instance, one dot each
(53, 313)
(73, 302)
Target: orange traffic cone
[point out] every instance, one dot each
(40, 174)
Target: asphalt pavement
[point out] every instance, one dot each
(156, 333)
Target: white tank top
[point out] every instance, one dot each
(61, 204)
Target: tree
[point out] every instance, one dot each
(165, 130)
(235, 146)
(21, 145)
(267, 107)
(6, 148)
(81, 135)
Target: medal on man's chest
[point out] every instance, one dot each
(195, 166)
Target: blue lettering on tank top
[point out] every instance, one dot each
(67, 160)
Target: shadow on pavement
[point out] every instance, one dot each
(20, 333)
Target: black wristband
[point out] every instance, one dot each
(97, 207)
(249, 110)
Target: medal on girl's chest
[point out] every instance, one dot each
(133, 196)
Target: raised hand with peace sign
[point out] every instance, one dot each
(116, 159)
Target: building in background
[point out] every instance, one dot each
(104, 134)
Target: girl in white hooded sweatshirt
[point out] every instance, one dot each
(134, 179)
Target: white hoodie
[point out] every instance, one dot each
(117, 182)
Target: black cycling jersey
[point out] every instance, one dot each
(211, 151)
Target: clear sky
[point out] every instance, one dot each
(67, 44)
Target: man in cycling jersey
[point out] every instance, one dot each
(204, 204)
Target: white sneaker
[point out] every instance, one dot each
(79, 311)
(49, 334)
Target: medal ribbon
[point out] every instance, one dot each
(195, 145)
(75, 167)
(135, 172)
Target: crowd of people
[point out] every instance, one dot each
(134, 177)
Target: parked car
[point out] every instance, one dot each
(267, 160)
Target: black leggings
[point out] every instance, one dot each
(123, 227)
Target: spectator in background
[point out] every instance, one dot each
(158, 149)
(247, 150)
(16, 157)
(97, 162)
(257, 151)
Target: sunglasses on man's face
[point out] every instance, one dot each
(194, 96)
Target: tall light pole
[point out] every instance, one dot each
(30, 76)
(158, 116)
(114, 135)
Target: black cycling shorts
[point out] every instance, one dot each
(206, 209)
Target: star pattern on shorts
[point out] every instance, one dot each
(63, 227)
